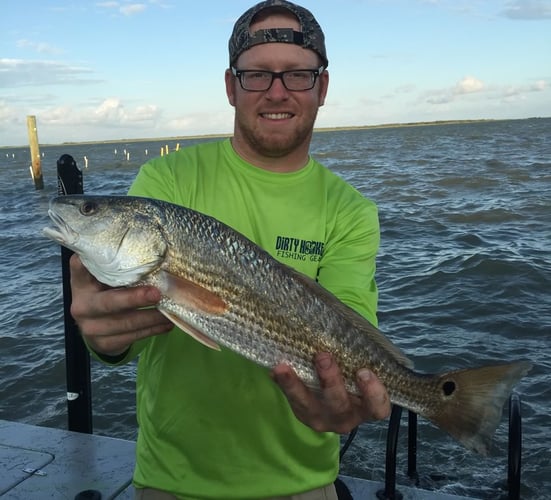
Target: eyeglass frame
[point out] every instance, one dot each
(238, 73)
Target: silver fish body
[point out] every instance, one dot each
(224, 290)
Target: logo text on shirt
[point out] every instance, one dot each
(297, 249)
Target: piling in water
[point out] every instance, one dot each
(36, 171)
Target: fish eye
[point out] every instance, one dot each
(88, 208)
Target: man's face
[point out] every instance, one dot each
(276, 122)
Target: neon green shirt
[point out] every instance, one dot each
(213, 425)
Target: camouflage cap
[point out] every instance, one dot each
(310, 37)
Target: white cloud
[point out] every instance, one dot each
(24, 73)
(126, 9)
(9, 119)
(7, 113)
(468, 85)
(40, 47)
(56, 116)
(528, 9)
(518, 92)
(438, 97)
(80, 122)
(109, 113)
(112, 112)
(131, 9)
(471, 88)
(539, 86)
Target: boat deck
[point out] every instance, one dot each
(42, 463)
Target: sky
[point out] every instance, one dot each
(109, 70)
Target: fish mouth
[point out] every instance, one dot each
(62, 233)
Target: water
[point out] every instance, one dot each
(464, 274)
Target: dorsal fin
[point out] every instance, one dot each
(357, 320)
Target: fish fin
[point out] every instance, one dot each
(375, 335)
(191, 331)
(384, 343)
(183, 291)
(472, 402)
(360, 322)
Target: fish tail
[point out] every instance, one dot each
(472, 402)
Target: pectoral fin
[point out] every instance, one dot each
(190, 330)
(183, 291)
(194, 297)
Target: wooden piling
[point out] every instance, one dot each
(36, 171)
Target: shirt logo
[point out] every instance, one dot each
(297, 249)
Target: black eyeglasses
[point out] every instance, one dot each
(260, 80)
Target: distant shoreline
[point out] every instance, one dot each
(316, 130)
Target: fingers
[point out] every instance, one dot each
(375, 400)
(114, 334)
(333, 408)
(111, 319)
(103, 300)
(301, 398)
(341, 408)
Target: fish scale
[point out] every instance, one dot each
(222, 289)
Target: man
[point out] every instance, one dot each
(212, 424)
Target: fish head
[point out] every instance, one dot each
(119, 239)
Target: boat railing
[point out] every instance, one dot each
(514, 451)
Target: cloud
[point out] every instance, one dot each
(40, 47)
(126, 9)
(109, 118)
(109, 113)
(25, 73)
(528, 9)
(79, 122)
(131, 9)
(112, 112)
(539, 86)
(468, 85)
(10, 120)
(518, 92)
(397, 92)
(7, 113)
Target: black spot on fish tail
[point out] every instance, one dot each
(448, 387)
(470, 402)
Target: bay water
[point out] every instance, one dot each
(464, 276)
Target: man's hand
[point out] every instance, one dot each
(335, 410)
(112, 319)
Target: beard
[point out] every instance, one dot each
(274, 144)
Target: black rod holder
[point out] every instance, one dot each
(77, 358)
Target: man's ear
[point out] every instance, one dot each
(323, 86)
(230, 86)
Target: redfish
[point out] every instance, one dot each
(225, 291)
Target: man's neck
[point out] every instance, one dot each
(284, 163)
